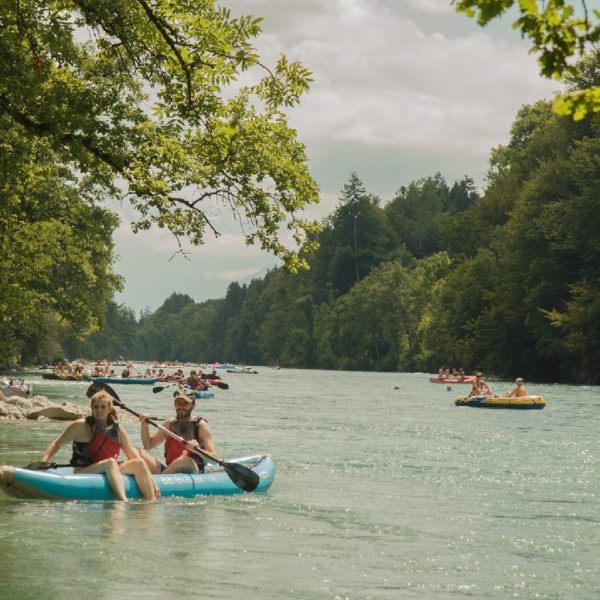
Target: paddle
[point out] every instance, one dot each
(220, 384)
(41, 465)
(160, 388)
(244, 477)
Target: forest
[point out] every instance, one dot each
(505, 279)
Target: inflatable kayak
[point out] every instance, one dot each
(453, 380)
(61, 377)
(62, 484)
(203, 394)
(111, 380)
(525, 402)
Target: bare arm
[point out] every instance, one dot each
(128, 449)
(70, 434)
(206, 439)
(150, 441)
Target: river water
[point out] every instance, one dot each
(384, 489)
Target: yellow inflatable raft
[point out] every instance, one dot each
(524, 402)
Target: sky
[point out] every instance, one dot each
(402, 89)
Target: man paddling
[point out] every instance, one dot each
(194, 430)
(520, 391)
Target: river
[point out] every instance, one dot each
(384, 489)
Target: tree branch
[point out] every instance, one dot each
(162, 29)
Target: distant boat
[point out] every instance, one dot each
(62, 376)
(128, 380)
(453, 380)
(520, 403)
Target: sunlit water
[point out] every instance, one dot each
(380, 493)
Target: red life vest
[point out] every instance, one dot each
(188, 430)
(105, 444)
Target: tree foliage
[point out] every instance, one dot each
(151, 96)
(558, 32)
(56, 249)
(505, 280)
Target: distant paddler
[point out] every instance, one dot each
(519, 392)
(480, 387)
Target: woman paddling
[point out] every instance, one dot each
(97, 442)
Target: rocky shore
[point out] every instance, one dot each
(15, 408)
(38, 407)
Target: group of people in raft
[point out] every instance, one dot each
(481, 388)
(98, 440)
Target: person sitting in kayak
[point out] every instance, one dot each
(520, 391)
(178, 457)
(194, 382)
(480, 387)
(97, 443)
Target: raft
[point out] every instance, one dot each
(62, 484)
(61, 377)
(130, 380)
(453, 380)
(522, 403)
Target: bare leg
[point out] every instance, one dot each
(139, 469)
(110, 468)
(182, 464)
(153, 464)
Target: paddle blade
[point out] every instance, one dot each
(244, 477)
(223, 386)
(41, 465)
(100, 386)
(158, 388)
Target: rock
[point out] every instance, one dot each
(15, 390)
(16, 407)
(57, 413)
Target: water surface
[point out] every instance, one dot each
(380, 493)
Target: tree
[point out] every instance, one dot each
(354, 239)
(146, 95)
(56, 250)
(558, 31)
(417, 215)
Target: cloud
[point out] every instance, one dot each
(401, 90)
(382, 78)
(435, 7)
(232, 275)
(161, 240)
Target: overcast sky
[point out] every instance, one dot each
(402, 89)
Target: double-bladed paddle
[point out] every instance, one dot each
(41, 465)
(159, 388)
(244, 477)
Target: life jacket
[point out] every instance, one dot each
(188, 430)
(192, 382)
(105, 444)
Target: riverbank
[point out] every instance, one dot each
(38, 407)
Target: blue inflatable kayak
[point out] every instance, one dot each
(111, 380)
(203, 394)
(62, 484)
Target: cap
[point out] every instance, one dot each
(182, 394)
